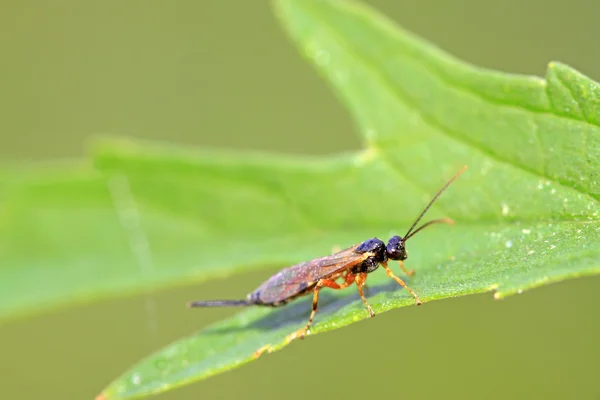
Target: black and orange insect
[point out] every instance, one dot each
(351, 265)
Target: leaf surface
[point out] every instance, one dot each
(526, 210)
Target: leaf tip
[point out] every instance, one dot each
(101, 396)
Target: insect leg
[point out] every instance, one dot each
(300, 333)
(348, 280)
(389, 273)
(408, 273)
(360, 281)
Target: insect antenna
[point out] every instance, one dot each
(410, 232)
(220, 303)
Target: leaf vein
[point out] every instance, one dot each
(405, 98)
(374, 20)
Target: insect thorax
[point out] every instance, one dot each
(367, 266)
(377, 248)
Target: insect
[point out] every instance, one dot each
(351, 265)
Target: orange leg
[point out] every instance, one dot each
(348, 279)
(389, 273)
(360, 281)
(408, 273)
(300, 333)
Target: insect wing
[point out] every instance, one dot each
(325, 266)
(293, 280)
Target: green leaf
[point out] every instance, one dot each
(526, 210)
(62, 240)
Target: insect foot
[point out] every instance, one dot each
(266, 348)
(299, 334)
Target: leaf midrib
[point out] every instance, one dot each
(376, 227)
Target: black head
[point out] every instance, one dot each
(395, 249)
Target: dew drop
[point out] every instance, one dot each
(509, 244)
(136, 379)
(486, 167)
(520, 291)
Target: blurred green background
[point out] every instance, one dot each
(222, 73)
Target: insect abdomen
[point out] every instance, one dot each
(275, 295)
(220, 303)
